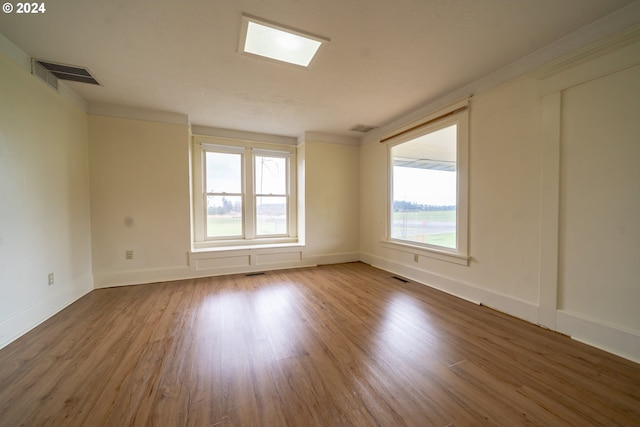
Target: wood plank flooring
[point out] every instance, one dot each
(339, 345)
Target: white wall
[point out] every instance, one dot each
(139, 200)
(332, 202)
(554, 200)
(44, 202)
(140, 195)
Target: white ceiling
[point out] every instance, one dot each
(384, 59)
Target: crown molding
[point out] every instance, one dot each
(135, 113)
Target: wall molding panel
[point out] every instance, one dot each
(612, 55)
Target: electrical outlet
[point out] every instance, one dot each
(129, 255)
(51, 279)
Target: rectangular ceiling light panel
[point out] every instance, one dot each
(279, 43)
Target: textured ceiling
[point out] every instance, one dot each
(385, 58)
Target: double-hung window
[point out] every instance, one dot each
(243, 193)
(428, 188)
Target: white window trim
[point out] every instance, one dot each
(248, 149)
(459, 255)
(272, 153)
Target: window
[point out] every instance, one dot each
(428, 190)
(244, 193)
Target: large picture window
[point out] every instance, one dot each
(424, 189)
(244, 193)
(428, 189)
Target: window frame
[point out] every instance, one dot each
(286, 194)
(248, 150)
(459, 254)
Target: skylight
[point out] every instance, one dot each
(278, 43)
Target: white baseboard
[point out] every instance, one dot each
(503, 303)
(217, 263)
(25, 320)
(610, 338)
(139, 277)
(337, 258)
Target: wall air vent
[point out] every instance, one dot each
(44, 74)
(362, 128)
(67, 72)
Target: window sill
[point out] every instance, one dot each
(441, 255)
(204, 247)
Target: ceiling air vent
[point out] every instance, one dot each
(362, 128)
(67, 72)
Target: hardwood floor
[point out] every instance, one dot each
(340, 345)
